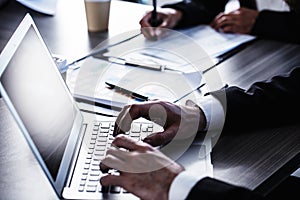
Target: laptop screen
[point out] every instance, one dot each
(39, 97)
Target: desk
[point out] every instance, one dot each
(252, 160)
(258, 160)
(66, 32)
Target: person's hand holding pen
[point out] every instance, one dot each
(169, 18)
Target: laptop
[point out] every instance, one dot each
(67, 142)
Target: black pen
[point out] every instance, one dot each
(154, 21)
(132, 94)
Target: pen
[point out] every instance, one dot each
(136, 63)
(132, 94)
(154, 20)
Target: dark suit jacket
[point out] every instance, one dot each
(275, 101)
(268, 103)
(269, 24)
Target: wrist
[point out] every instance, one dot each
(178, 15)
(202, 118)
(172, 172)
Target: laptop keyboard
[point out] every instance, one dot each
(101, 139)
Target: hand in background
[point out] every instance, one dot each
(181, 122)
(169, 17)
(238, 21)
(140, 167)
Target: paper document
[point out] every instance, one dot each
(89, 81)
(216, 43)
(187, 50)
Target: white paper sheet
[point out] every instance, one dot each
(89, 82)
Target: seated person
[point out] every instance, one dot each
(280, 24)
(270, 103)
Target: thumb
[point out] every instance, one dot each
(114, 180)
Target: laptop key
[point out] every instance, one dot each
(81, 188)
(84, 177)
(136, 128)
(95, 173)
(100, 148)
(105, 125)
(82, 183)
(91, 188)
(101, 139)
(104, 130)
(93, 179)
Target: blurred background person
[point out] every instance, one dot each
(273, 19)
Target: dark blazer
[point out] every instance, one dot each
(263, 104)
(269, 24)
(212, 189)
(267, 103)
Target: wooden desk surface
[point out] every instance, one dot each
(261, 159)
(250, 160)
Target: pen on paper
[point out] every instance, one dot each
(128, 92)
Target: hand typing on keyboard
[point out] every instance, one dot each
(97, 143)
(142, 169)
(179, 122)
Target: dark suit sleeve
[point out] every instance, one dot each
(209, 188)
(278, 25)
(269, 103)
(198, 11)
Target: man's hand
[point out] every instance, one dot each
(144, 171)
(238, 21)
(179, 122)
(169, 17)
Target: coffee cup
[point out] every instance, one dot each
(97, 14)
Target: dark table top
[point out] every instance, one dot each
(257, 160)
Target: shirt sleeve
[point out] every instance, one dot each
(182, 184)
(214, 113)
(186, 180)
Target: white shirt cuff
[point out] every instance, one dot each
(215, 117)
(182, 184)
(213, 111)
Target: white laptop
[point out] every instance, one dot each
(68, 143)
